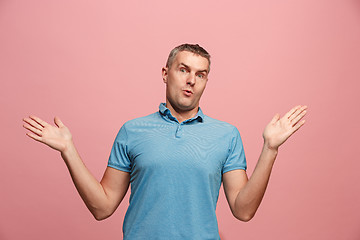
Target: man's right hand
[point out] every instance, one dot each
(101, 198)
(57, 137)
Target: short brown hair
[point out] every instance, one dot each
(194, 48)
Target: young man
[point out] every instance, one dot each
(175, 160)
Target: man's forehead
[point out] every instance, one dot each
(192, 60)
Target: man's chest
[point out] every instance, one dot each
(173, 149)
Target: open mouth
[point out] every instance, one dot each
(188, 92)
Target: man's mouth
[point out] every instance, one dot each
(188, 92)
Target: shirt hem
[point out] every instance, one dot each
(234, 168)
(119, 168)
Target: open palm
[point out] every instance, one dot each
(280, 129)
(57, 137)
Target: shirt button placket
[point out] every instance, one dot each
(178, 132)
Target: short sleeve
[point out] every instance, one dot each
(236, 155)
(119, 158)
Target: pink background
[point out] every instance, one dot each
(97, 64)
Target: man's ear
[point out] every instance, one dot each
(164, 74)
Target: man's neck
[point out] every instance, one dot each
(182, 115)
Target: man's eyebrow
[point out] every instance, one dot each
(189, 67)
(184, 65)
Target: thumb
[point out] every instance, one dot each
(58, 122)
(275, 118)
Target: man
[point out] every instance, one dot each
(175, 160)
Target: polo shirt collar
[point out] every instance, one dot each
(166, 113)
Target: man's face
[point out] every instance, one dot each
(185, 81)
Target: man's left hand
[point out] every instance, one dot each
(280, 129)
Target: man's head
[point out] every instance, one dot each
(194, 48)
(185, 76)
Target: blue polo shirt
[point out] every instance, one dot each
(175, 173)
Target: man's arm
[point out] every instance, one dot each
(101, 198)
(244, 195)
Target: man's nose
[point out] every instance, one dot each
(191, 80)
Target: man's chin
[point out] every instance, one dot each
(187, 108)
(184, 106)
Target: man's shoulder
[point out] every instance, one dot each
(219, 123)
(153, 117)
(212, 120)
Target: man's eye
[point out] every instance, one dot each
(182, 70)
(201, 75)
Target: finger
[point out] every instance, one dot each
(300, 112)
(33, 123)
(298, 125)
(298, 118)
(35, 137)
(275, 118)
(39, 121)
(291, 112)
(32, 129)
(58, 122)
